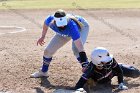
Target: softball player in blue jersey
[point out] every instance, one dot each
(67, 27)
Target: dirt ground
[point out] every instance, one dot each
(115, 29)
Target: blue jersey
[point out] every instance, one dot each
(72, 29)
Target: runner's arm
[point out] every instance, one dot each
(86, 75)
(118, 71)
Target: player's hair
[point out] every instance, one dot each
(75, 20)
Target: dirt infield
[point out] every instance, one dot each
(117, 30)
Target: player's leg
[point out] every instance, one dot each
(57, 42)
(130, 71)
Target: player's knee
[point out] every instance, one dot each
(48, 53)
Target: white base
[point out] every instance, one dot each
(63, 91)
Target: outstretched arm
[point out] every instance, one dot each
(86, 75)
(119, 72)
(82, 53)
(80, 83)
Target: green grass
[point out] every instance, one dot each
(41, 4)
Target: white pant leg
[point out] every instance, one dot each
(57, 42)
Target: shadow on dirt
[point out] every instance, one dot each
(39, 90)
(100, 89)
(45, 83)
(132, 85)
(129, 85)
(96, 89)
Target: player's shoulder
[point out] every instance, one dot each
(114, 64)
(114, 60)
(50, 17)
(71, 22)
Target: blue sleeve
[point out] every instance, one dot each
(48, 20)
(75, 34)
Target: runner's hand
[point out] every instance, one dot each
(122, 86)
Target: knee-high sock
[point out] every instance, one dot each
(46, 63)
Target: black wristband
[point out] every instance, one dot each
(83, 56)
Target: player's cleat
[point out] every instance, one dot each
(39, 74)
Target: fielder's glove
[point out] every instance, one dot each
(80, 90)
(122, 86)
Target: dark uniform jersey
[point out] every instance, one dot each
(104, 75)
